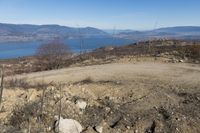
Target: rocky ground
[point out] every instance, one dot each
(122, 97)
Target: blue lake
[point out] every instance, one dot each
(21, 49)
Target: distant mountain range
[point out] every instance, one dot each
(26, 32)
(181, 32)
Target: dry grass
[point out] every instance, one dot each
(22, 83)
(194, 51)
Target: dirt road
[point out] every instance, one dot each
(183, 73)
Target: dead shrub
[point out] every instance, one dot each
(52, 55)
(17, 83)
(22, 83)
(87, 80)
(194, 51)
(21, 114)
(29, 115)
(39, 115)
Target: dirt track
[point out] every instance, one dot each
(184, 73)
(141, 97)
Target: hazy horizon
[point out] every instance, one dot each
(120, 14)
(108, 29)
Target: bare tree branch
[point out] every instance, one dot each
(52, 55)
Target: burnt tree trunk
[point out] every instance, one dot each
(1, 86)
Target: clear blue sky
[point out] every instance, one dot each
(105, 14)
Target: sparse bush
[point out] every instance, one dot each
(87, 80)
(38, 115)
(17, 83)
(22, 83)
(21, 114)
(29, 115)
(194, 51)
(52, 55)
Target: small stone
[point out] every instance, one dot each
(81, 104)
(56, 96)
(107, 109)
(181, 61)
(83, 89)
(49, 128)
(118, 82)
(198, 98)
(99, 129)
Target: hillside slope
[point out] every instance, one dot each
(121, 97)
(179, 32)
(25, 32)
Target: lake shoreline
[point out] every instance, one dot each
(21, 49)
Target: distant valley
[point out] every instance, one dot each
(180, 32)
(28, 33)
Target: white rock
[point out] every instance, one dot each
(99, 129)
(81, 104)
(83, 90)
(181, 61)
(68, 126)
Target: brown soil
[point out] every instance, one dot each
(121, 97)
